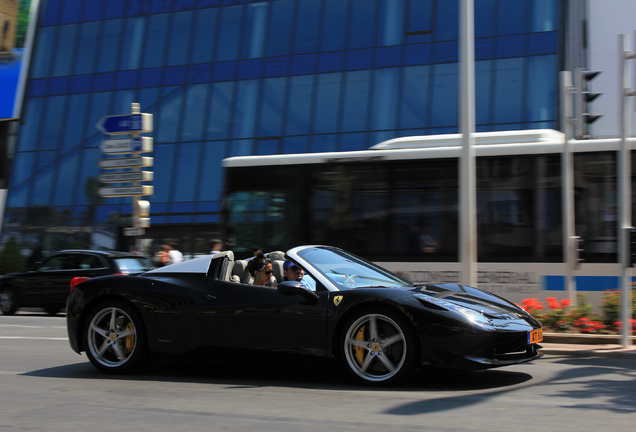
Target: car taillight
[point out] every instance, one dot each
(77, 280)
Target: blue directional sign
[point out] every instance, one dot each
(125, 124)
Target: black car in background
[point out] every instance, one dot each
(47, 284)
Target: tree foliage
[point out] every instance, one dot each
(11, 260)
(24, 9)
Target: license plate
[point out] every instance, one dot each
(535, 336)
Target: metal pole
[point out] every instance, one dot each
(567, 184)
(135, 109)
(467, 177)
(624, 188)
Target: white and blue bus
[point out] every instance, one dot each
(397, 204)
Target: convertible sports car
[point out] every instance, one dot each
(377, 325)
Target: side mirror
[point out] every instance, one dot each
(296, 288)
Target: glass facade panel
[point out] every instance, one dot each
(108, 49)
(43, 49)
(194, 115)
(255, 30)
(43, 179)
(203, 43)
(168, 115)
(512, 16)
(218, 124)
(327, 97)
(52, 123)
(155, 44)
(356, 101)
(164, 162)
(544, 15)
(362, 23)
(86, 47)
(22, 171)
(272, 107)
(133, 46)
(66, 178)
(74, 125)
(307, 22)
(179, 42)
(186, 185)
(509, 90)
(445, 95)
(226, 78)
(67, 39)
(415, 91)
(299, 111)
(334, 24)
(211, 177)
(230, 33)
(541, 91)
(280, 27)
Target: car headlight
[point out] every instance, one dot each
(472, 315)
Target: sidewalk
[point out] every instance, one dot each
(584, 345)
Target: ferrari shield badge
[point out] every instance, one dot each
(337, 300)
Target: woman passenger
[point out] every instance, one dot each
(260, 267)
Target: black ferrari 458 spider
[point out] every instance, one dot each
(377, 325)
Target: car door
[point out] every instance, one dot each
(248, 317)
(49, 284)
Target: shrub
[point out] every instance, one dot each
(611, 307)
(560, 316)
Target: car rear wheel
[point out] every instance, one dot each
(114, 338)
(8, 305)
(378, 347)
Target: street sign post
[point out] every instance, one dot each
(120, 191)
(122, 177)
(126, 145)
(131, 162)
(125, 124)
(133, 231)
(133, 124)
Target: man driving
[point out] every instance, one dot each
(294, 273)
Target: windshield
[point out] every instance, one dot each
(134, 265)
(348, 271)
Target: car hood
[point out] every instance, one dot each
(463, 296)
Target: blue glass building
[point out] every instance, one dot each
(237, 77)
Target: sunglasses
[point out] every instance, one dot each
(268, 272)
(293, 268)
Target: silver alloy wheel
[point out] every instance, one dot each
(112, 337)
(375, 347)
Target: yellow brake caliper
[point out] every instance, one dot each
(130, 340)
(359, 350)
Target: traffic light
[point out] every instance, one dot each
(585, 97)
(579, 250)
(632, 246)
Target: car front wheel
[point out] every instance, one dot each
(114, 338)
(8, 304)
(378, 347)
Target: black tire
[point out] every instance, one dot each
(378, 347)
(114, 338)
(8, 304)
(52, 310)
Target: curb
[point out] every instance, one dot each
(586, 345)
(585, 339)
(606, 351)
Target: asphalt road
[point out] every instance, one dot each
(46, 386)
